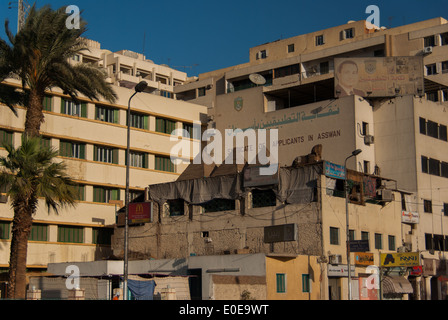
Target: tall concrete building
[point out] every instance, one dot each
(91, 139)
(396, 113)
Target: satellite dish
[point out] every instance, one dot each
(257, 79)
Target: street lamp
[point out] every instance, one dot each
(354, 153)
(138, 88)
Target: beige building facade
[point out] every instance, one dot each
(291, 85)
(91, 139)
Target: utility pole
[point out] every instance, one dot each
(22, 9)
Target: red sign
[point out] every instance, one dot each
(140, 212)
(417, 271)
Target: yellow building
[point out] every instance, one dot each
(91, 139)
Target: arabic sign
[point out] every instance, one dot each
(364, 259)
(404, 259)
(359, 245)
(410, 217)
(379, 76)
(334, 170)
(416, 271)
(284, 232)
(140, 212)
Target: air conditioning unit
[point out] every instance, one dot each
(385, 195)
(427, 50)
(335, 259)
(368, 139)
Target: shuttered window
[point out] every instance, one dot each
(164, 164)
(72, 149)
(103, 195)
(73, 109)
(71, 234)
(39, 232)
(6, 137)
(5, 228)
(105, 154)
(106, 114)
(165, 125)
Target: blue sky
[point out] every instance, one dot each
(197, 36)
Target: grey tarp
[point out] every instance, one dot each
(198, 191)
(296, 185)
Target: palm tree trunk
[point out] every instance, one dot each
(34, 114)
(21, 229)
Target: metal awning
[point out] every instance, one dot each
(396, 284)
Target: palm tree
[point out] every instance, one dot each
(29, 173)
(39, 55)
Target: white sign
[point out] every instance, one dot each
(340, 270)
(410, 217)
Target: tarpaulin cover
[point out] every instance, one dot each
(296, 185)
(142, 290)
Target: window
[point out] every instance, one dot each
(70, 234)
(334, 235)
(378, 53)
(347, 34)
(431, 69)
(366, 166)
(261, 54)
(39, 232)
(392, 243)
(201, 92)
(444, 39)
(45, 142)
(291, 48)
(444, 66)
(76, 57)
(72, 149)
(434, 167)
(281, 282)
(165, 125)
(5, 227)
(432, 96)
(445, 94)
(306, 284)
(445, 209)
(287, 71)
(427, 206)
(422, 123)
(80, 192)
(430, 41)
(193, 131)
(102, 236)
(103, 195)
(47, 103)
(432, 129)
(378, 241)
(364, 235)
(218, 204)
(324, 67)
(365, 128)
(444, 169)
(351, 235)
(139, 121)
(443, 132)
(319, 40)
(166, 94)
(6, 137)
(429, 245)
(263, 198)
(105, 154)
(73, 109)
(138, 159)
(424, 164)
(106, 114)
(164, 164)
(176, 207)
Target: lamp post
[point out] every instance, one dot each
(138, 88)
(354, 153)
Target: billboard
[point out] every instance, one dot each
(280, 233)
(405, 259)
(140, 212)
(378, 76)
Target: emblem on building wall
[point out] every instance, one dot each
(238, 103)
